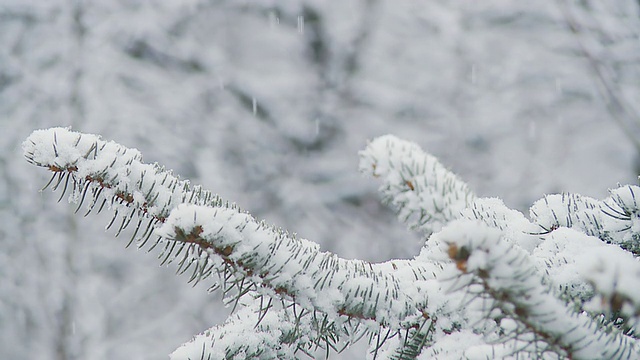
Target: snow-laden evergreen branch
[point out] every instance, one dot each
(514, 294)
(269, 258)
(265, 340)
(489, 283)
(278, 332)
(615, 283)
(560, 275)
(615, 219)
(206, 235)
(425, 195)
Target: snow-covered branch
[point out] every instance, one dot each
(503, 278)
(615, 219)
(277, 332)
(203, 233)
(561, 285)
(422, 191)
(270, 258)
(241, 337)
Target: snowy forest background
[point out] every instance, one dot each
(267, 103)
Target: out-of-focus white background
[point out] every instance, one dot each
(267, 103)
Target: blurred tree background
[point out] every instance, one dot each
(267, 103)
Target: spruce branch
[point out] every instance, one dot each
(515, 294)
(414, 341)
(508, 286)
(424, 194)
(280, 333)
(296, 269)
(568, 210)
(495, 214)
(205, 235)
(615, 219)
(617, 296)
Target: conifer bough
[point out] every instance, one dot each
(488, 283)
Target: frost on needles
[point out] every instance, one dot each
(488, 283)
